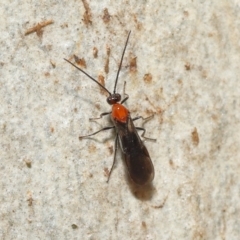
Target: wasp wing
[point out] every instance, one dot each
(136, 155)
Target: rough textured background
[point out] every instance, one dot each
(53, 186)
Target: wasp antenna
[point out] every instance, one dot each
(115, 86)
(88, 76)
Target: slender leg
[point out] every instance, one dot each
(142, 135)
(136, 118)
(89, 135)
(124, 94)
(144, 119)
(101, 115)
(143, 129)
(114, 158)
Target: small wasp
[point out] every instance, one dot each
(137, 159)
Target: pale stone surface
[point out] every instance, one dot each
(53, 186)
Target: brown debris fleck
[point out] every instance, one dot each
(106, 172)
(138, 24)
(87, 16)
(80, 61)
(195, 137)
(187, 66)
(95, 52)
(97, 106)
(133, 64)
(28, 163)
(110, 149)
(30, 199)
(101, 80)
(106, 16)
(147, 78)
(106, 67)
(186, 13)
(38, 28)
(53, 64)
(74, 226)
(52, 129)
(144, 225)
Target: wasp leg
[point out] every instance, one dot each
(124, 94)
(142, 135)
(114, 158)
(89, 135)
(101, 115)
(144, 119)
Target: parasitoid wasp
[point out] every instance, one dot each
(137, 159)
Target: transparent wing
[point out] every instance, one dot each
(136, 155)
